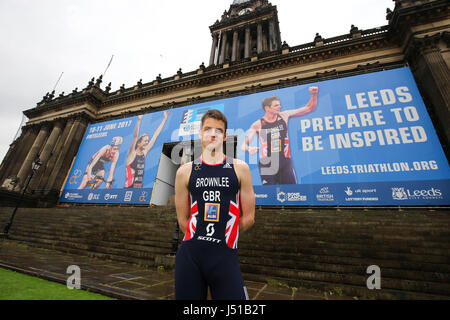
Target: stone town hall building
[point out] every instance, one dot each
(335, 250)
(247, 56)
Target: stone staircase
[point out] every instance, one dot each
(324, 249)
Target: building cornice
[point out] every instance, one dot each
(341, 46)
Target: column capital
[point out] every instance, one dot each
(46, 125)
(31, 127)
(81, 117)
(60, 122)
(422, 45)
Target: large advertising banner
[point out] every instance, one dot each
(363, 140)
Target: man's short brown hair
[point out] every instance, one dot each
(215, 114)
(268, 102)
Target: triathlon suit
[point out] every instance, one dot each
(100, 165)
(274, 141)
(135, 173)
(208, 255)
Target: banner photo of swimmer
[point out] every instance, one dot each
(365, 140)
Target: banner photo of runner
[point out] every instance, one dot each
(362, 140)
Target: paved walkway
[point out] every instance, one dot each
(123, 280)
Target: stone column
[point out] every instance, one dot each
(81, 126)
(46, 153)
(272, 36)
(223, 47)
(24, 148)
(433, 77)
(25, 169)
(49, 168)
(213, 49)
(17, 153)
(247, 43)
(77, 129)
(234, 51)
(259, 46)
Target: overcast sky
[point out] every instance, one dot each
(40, 39)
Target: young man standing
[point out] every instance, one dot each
(275, 164)
(215, 203)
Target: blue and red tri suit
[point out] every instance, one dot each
(208, 254)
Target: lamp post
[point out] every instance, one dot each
(176, 236)
(34, 167)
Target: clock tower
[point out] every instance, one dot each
(248, 27)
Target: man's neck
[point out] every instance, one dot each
(213, 157)
(271, 117)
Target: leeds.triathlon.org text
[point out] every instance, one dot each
(388, 167)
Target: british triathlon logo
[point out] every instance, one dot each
(192, 119)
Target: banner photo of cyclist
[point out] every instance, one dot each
(361, 140)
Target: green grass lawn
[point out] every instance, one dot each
(17, 286)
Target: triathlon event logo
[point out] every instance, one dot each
(192, 119)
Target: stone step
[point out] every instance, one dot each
(345, 268)
(102, 231)
(148, 257)
(337, 279)
(410, 246)
(370, 252)
(117, 242)
(318, 260)
(281, 232)
(358, 292)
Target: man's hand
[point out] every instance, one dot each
(252, 150)
(314, 90)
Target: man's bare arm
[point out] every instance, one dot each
(248, 139)
(182, 200)
(310, 107)
(247, 196)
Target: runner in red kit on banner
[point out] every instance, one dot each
(140, 147)
(215, 203)
(275, 165)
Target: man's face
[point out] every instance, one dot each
(212, 134)
(275, 107)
